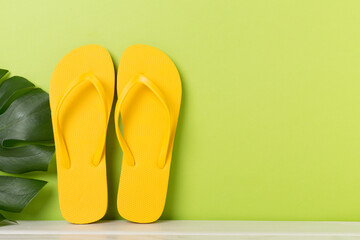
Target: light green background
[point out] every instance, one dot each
(270, 121)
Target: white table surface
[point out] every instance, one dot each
(182, 230)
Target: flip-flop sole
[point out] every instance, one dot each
(83, 187)
(143, 187)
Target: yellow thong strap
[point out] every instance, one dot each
(129, 157)
(63, 151)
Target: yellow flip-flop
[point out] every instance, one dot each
(149, 97)
(81, 95)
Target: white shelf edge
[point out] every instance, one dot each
(186, 228)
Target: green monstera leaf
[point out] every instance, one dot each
(26, 140)
(16, 193)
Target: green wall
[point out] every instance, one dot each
(269, 127)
